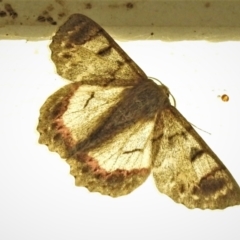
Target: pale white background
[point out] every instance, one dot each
(38, 199)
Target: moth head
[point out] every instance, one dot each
(165, 90)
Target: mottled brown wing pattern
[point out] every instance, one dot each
(113, 125)
(186, 169)
(83, 51)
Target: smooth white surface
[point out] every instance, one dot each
(38, 197)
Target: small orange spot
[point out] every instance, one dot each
(225, 98)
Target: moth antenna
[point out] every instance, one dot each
(200, 128)
(174, 100)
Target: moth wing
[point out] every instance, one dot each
(72, 113)
(117, 166)
(186, 169)
(112, 163)
(83, 51)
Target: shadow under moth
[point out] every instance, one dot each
(114, 125)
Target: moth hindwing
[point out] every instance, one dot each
(114, 125)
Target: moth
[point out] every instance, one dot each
(114, 125)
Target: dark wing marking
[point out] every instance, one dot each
(186, 169)
(83, 51)
(72, 113)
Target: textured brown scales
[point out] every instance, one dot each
(114, 125)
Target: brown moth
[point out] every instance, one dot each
(114, 126)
